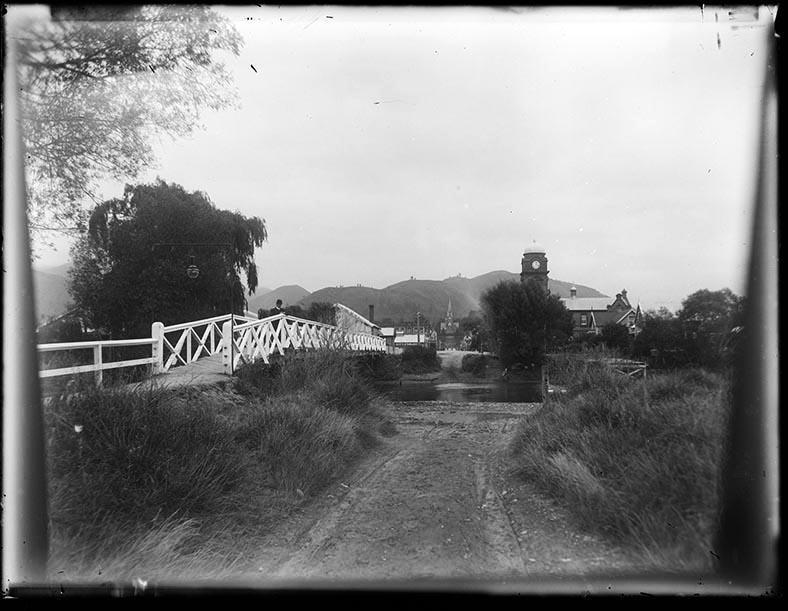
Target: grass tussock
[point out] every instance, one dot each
(301, 446)
(637, 461)
(162, 482)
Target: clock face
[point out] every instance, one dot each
(536, 264)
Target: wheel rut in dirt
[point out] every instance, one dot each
(434, 502)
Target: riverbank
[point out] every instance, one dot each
(638, 461)
(152, 482)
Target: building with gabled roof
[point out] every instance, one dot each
(590, 314)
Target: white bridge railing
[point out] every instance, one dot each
(259, 339)
(184, 343)
(181, 344)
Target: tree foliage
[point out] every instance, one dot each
(707, 317)
(700, 333)
(521, 319)
(130, 267)
(615, 336)
(98, 82)
(321, 311)
(660, 339)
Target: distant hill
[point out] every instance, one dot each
(51, 293)
(402, 300)
(259, 292)
(290, 295)
(399, 301)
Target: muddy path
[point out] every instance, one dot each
(435, 501)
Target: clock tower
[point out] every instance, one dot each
(535, 266)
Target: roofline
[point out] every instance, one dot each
(631, 311)
(357, 315)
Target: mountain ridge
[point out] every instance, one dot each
(402, 300)
(290, 294)
(398, 301)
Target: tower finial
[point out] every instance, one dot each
(534, 247)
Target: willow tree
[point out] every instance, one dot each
(97, 83)
(131, 267)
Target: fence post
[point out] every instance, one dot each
(157, 333)
(227, 347)
(97, 361)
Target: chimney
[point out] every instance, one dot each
(573, 292)
(624, 295)
(371, 313)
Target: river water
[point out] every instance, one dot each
(487, 392)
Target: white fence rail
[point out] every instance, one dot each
(98, 365)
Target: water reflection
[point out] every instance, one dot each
(503, 392)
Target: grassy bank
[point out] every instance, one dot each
(638, 462)
(171, 483)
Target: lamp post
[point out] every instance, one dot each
(418, 328)
(192, 272)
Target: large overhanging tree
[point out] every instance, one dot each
(97, 83)
(130, 268)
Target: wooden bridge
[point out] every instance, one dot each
(212, 348)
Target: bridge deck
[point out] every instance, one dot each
(207, 370)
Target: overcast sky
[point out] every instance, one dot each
(380, 144)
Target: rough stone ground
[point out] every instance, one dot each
(435, 501)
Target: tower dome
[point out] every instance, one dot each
(534, 248)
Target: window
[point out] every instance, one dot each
(584, 320)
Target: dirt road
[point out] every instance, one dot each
(435, 501)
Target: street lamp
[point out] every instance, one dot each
(192, 272)
(418, 328)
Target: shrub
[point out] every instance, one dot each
(420, 359)
(474, 363)
(377, 366)
(638, 461)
